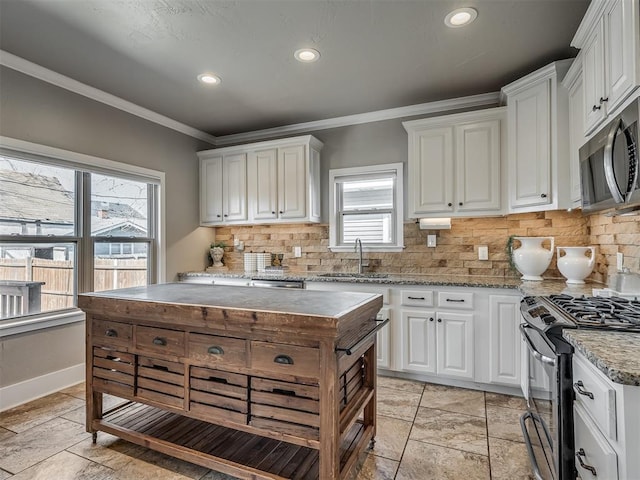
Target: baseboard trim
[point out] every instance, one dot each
(23, 392)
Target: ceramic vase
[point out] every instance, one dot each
(574, 265)
(531, 258)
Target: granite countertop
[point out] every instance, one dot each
(545, 287)
(616, 354)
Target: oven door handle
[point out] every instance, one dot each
(536, 354)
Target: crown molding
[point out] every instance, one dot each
(37, 71)
(376, 116)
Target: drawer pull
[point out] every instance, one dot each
(162, 368)
(215, 350)
(579, 454)
(111, 332)
(415, 298)
(289, 393)
(160, 341)
(112, 358)
(579, 387)
(283, 360)
(461, 300)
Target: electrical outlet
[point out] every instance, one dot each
(483, 252)
(619, 261)
(431, 240)
(297, 252)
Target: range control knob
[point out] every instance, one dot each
(547, 318)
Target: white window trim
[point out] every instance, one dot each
(77, 160)
(399, 201)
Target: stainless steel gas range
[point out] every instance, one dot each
(548, 387)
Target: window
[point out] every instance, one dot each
(68, 227)
(366, 203)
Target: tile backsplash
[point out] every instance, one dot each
(456, 252)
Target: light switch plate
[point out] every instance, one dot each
(619, 261)
(483, 252)
(297, 252)
(431, 240)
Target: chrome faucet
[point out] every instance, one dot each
(358, 248)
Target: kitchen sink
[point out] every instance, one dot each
(354, 275)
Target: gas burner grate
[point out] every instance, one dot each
(600, 312)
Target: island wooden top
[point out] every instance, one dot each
(230, 308)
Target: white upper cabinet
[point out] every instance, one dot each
(574, 83)
(223, 189)
(538, 165)
(455, 166)
(279, 182)
(609, 39)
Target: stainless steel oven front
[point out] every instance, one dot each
(547, 425)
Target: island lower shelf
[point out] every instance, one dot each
(224, 449)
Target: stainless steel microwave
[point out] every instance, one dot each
(609, 165)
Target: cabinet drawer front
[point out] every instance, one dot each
(213, 350)
(217, 394)
(110, 333)
(287, 359)
(456, 300)
(417, 298)
(602, 407)
(113, 372)
(160, 381)
(592, 449)
(160, 340)
(285, 407)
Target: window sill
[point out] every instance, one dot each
(350, 249)
(13, 326)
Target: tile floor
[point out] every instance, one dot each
(425, 431)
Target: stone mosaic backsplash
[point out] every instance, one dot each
(456, 252)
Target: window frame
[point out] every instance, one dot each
(336, 176)
(84, 166)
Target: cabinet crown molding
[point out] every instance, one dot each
(574, 74)
(555, 69)
(282, 142)
(456, 118)
(591, 17)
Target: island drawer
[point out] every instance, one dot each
(113, 372)
(286, 359)
(213, 350)
(218, 394)
(285, 407)
(108, 333)
(161, 381)
(160, 340)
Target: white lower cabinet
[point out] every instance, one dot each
(606, 424)
(504, 339)
(438, 342)
(383, 339)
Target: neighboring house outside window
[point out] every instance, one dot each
(366, 203)
(66, 229)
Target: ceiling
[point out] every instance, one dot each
(375, 54)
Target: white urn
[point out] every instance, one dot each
(531, 258)
(575, 265)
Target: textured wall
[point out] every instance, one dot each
(457, 249)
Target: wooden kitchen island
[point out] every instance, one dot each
(258, 383)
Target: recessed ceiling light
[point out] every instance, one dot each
(460, 17)
(209, 78)
(307, 55)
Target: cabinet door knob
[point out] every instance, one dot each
(218, 215)
(439, 320)
(431, 319)
(273, 212)
(449, 204)
(595, 108)
(602, 100)
(543, 195)
(460, 203)
(280, 212)
(225, 215)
